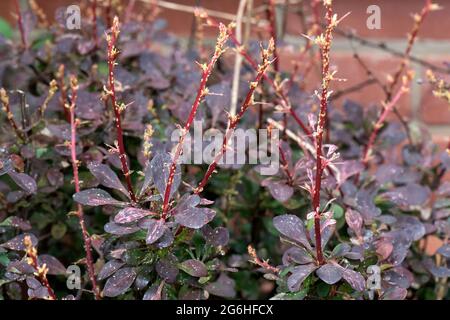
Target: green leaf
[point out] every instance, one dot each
(338, 211)
(103, 68)
(4, 260)
(5, 29)
(58, 231)
(323, 289)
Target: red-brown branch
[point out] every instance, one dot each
(201, 93)
(325, 47)
(76, 181)
(418, 20)
(234, 120)
(379, 124)
(112, 57)
(20, 24)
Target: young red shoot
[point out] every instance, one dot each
(76, 180)
(201, 94)
(111, 92)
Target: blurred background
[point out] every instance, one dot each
(432, 50)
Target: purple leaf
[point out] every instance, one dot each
(154, 292)
(195, 218)
(299, 274)
(438, 272)
(354, 279)
(444, 251)
(341, 249)
(106, 176)
(410, 195)
(348, 169)
(222, 287)
(148, 179)
(326, 230)
(354, 221)
(17, 242)
(187, 201)
(109, 268)
(119, 282)
(195, 268)
(167, 270)
(131, 214)
(366, 206)
(297, 255)
(330, 273)
(156, 229)
(24, 181)
(395, 294)
(292, 228)
(279, 190)
(398, 277)
(95, 197)
(55, 267)
(166, 240)
(160, 168)
(117, 229)
(216, 237)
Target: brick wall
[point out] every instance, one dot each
(433, 46)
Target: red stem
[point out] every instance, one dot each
(201, 93)
(254, 65)
(76, 179)
(235, 120)
(411, 40)
(20, 24)
(326, 78)
(379, 124)
(285, 165)
(112, 55)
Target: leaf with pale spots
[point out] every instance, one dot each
(330, 273)
(24, 181)
(156, 229)
(17, 243)
(215, 237)
(194, 268)
(160, 168)
(131, 214)
(195, 218)
(292, 227)
(109, 268)
(119, 282)
(96, 197)
(106, 176)
(354, 279)
(117, 229)
(298, 275)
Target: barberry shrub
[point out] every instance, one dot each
(91, 179)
